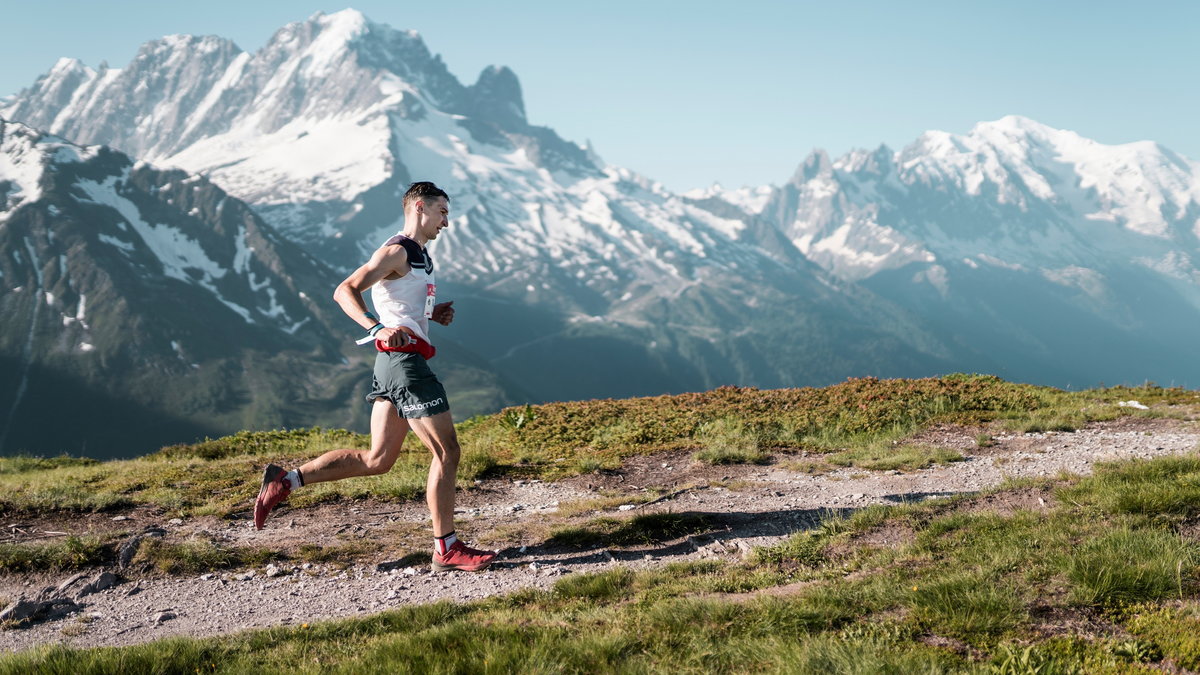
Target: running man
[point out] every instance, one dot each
(406, 394)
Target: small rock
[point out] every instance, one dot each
(391, 595)
(410, 571)
(522, 549)
(21, 609)
(627, 507)
(534, 566)
(120, 518)
(71, 580)
(857, 495)
(273, 571)
(162, 617)
(306, 566)
(52, 608)
(175, 521)
(103, 581)
(205, 577)
(244, 576)
(516, 507)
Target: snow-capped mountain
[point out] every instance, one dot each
(1059, 255)
(1013, 191)
(553, 256)
(143, 306)
(324, 127)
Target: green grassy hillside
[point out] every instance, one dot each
(1067, 575)
(855, 419)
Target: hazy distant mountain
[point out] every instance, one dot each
(144, 306)
(575, 278)
(1069, 260)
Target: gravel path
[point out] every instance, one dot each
(764, 505)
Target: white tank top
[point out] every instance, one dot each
(407, 301)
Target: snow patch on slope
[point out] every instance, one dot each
(182, 257)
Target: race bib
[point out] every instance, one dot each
(430, 298)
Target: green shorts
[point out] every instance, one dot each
(404, 378)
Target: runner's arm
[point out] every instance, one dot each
(349, 294)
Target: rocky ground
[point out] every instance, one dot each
(747, 506)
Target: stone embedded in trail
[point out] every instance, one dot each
(29, 610)
(162, 617)
(21, 609)
(103, 581)
(129, 547)
(69, 582)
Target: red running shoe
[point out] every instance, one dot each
(460, 557)
(274, 490)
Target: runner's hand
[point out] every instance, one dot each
(393, 337)
(443, 313)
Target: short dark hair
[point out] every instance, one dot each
(423, 190)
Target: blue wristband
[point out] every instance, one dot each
(375, 329)
(370, 316)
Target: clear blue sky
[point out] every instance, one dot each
(694, 92)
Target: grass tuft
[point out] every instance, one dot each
(70, 553)
(967, 606)
(1165, 486)
(884, 457)
(1128, 566)
(197, 556)
(804, 549)
(606, 586)
(729, 440)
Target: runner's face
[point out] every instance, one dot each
(435, 216)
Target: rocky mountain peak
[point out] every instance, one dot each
(816, 164)
(496, 96)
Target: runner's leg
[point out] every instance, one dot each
(437, 433)
(388, 430)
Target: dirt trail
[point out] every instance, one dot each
(748, 506)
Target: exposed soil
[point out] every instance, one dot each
(385, 563)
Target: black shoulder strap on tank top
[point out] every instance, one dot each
(418, 257)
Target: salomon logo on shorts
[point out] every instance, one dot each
(423, 406)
